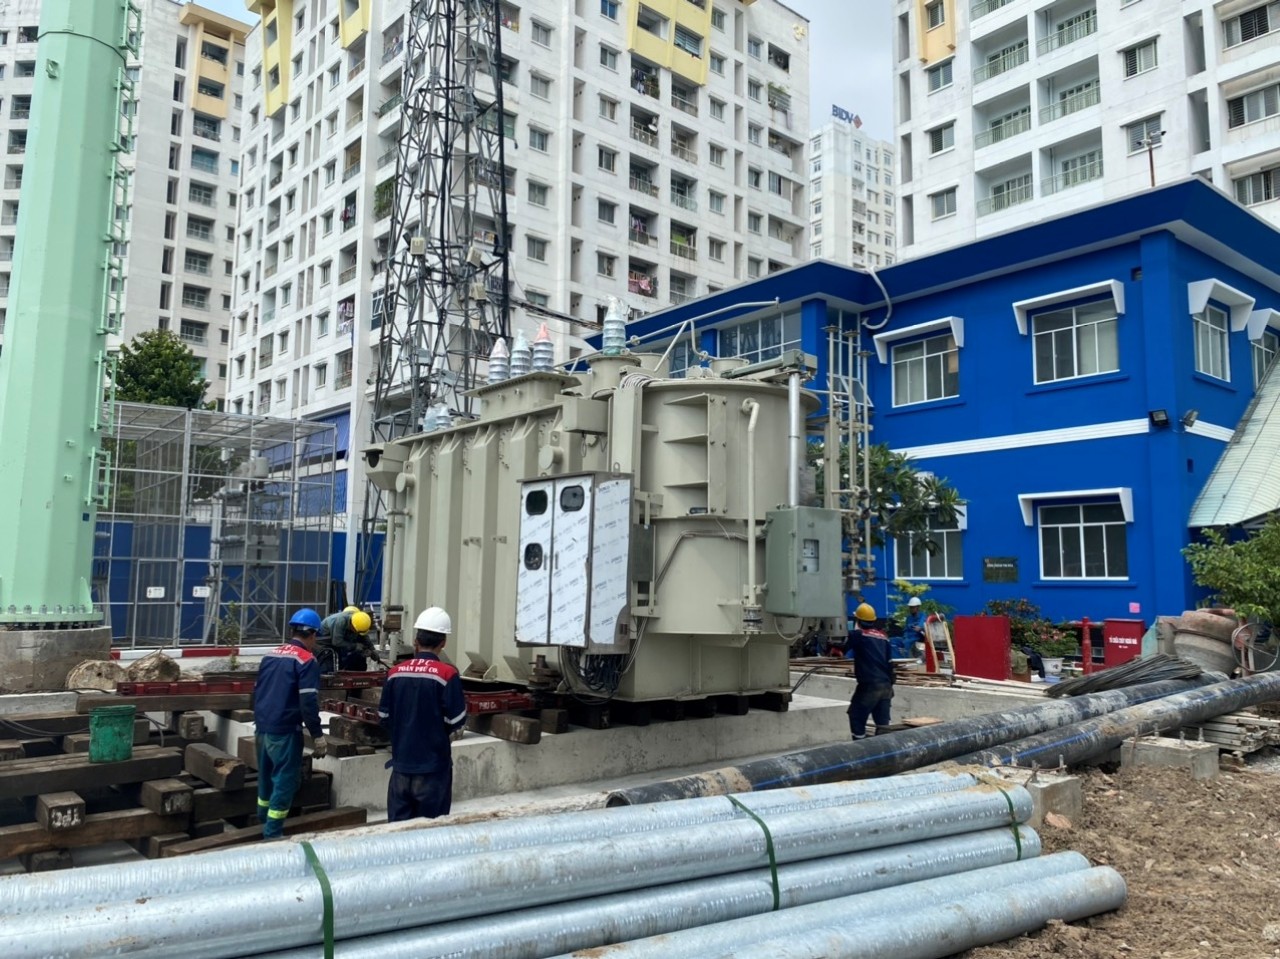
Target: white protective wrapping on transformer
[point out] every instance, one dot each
(610, 574)
(570, 561)
(533, 579)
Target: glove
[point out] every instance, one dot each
(457, 734)
(319, 747)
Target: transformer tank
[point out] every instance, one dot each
(604, 521)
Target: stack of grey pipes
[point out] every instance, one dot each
(919, 866)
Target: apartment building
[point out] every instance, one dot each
(852, 196)
(1009, 111)
(185, 156)
(654, 152)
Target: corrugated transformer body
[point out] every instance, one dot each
(605, 513)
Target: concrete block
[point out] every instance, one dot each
(1050, 793)
(1201, 759)
(40, 659)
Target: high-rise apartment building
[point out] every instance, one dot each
(1010, 111)
(655, 152)
(852, 197)
(185, 157)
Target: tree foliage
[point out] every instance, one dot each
(158, 368)
(1243, 575)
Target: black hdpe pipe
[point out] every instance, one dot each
(1096, 737)
(900, 751)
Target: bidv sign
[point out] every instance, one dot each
(840, 113)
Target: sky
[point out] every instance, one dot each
(849, 57)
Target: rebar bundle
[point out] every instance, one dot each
(1133, 673)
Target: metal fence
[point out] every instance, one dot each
(217, 525)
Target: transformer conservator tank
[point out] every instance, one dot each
(619, 523)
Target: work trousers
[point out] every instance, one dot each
(869, 701)
(279, 772)
(414, 795)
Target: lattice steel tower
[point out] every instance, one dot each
(447, 293)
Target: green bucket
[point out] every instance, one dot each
(111, 734)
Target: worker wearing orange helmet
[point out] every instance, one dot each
(873, 669)
(346, 643)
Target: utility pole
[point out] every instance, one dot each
(1151, 141)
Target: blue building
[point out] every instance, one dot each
(1076, 380)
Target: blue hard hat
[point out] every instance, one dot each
(306, 619)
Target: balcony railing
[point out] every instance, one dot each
(1081, 174)
(1005, 200)
(347, 275)
(683, 152)
(684, 104)
(195, 303)
(6, 256)
(642, 284)
(393, 51)
(273, 223)
(343, 380)
(197, 338)
(648, 85)
(200, 199)
(267, 317)
(17, 148)
(685, 201)
(275, 180)
(200, 268)
(350, 171)
(677, 297)
(20, 113)
(355, 70)
(685, 250)
(390, 104)
(647, 137)
(388, 157)
(268, 271)
(355, 119)
(1007, 129)
(983, 7)
(641, 238)
(1067, 35)
(207, 133)
(13, 183)
(644, 185)
(1072, 104)
(1001, 64)
(8, 218)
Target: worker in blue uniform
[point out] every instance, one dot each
(422, 708)
(873, 670)
(286, 697)
(904, 646)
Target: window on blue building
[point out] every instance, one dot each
(761, 339)
(1264, 352)
(1077, 341)
(1083, 541)
(916, 561)
(926, 370)
(1213, 357)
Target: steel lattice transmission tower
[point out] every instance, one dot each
(447, 292)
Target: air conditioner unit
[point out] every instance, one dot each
(478, 293)
(417, 246)
(474, 257)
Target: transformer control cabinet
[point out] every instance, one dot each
(802, 563)
(573, 578)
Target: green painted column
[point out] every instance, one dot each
(52, 366)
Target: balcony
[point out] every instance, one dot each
(191, 336)
(8, 218)
(355, 70)
(983, 7)
(1002, 132)
(355, 119)
(1005, 200)
(388, 157)
(646, 83)
(343, 380)
(645, 136)
(1064, 36)
(678, 297)
(201, 269)
(683, 152)
(1001, 64)
(13, 182)
(393, 51)
(1084, 173)
(267, 317)
(684, 250)
(20, 113)
(684, 104)
(273, 223)
(350, 171)
(208, 133)
(6, 255)
(275, 180)
(644, 185)
(390, 104)
(685, 201)
(268, 271)
(1072, 104)
(347, 275)
(642, 238)
(642, 284)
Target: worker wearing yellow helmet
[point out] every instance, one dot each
(870, 651)
(345, 642)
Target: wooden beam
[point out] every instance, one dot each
(59, 811)
(220, 770)
(166, 797)
(31, 777)
(315, 822)
(97, 828)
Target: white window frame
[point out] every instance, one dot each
(1233, 28)
(935, 14)
(1212, 330)
(1080, 333)
(1136, 54)
(941, 75)
(926, 360)
(1263, 352)
(1139, 130)
(1080, 529)
(943, 195)
(937, 566)
(942, 139)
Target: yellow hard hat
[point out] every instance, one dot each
(865, 613)
(360, 621)
(352, 609)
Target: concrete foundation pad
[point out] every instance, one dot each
(1201, 759)
(483, 766)
(1050, 792)
(39, 659)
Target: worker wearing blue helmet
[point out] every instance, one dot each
(286, 697)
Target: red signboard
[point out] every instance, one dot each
(1121, 640)
(982, 646)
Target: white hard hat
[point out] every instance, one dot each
(914, 601)
(434, 620)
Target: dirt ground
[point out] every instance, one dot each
(1201, 860)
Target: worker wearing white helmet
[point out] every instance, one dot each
(344, 638)
(422, 707)
(904, 646)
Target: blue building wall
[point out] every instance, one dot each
(984, 440)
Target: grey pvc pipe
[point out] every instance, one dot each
(1096, 737)
(899, 751)
(244, 919)
(901, 903)
(587, 923)
(367, 849)
(947, 929)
